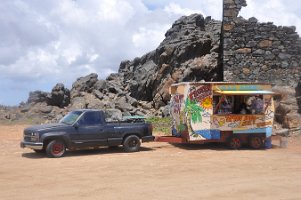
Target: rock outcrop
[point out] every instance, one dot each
(59, 96)
(37, 96)
(190, 52)
(194, 49)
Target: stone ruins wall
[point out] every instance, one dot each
(256, 51)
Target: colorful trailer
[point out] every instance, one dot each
(236, 113)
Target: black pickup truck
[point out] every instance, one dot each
(85, 128)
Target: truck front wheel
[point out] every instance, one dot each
(131, 143)
(55, 149)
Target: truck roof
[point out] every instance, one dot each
(87, 109)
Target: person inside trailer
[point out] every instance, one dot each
(226, 106)
(222, 104)
(255, 104)
(258, 105)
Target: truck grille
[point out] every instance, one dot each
(28, 137)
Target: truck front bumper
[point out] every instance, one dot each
(32, 145)
(148, 138)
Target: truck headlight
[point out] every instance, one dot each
(35, 137)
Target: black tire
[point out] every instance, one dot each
(234, 142)
(256, 142)
(131, 143)
(55, 149)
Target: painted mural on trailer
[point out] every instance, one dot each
(198, 109)
(192, 112)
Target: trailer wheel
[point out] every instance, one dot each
(256, 142)
(234, 142)
(131, 143)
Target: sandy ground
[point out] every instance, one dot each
(158, 171)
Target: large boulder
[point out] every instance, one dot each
(87, 100)
(113, 115)
(292, 120)
(83, 84)
(287, 106)
(59, 96)
(123, 104)
(37, 96)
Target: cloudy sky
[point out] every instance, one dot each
(56, 41)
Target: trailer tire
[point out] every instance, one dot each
(234, 142)
(256, 142)
(131, 143)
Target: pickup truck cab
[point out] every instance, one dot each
(85, 128)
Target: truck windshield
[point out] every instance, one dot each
(71, 117)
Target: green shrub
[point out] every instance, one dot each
(161, 126)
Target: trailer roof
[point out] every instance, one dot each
(227, 88)
(221, 83)
(250, 92)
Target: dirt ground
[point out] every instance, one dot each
(158, 171)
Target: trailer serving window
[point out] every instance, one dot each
(239, 102)
(223, 104)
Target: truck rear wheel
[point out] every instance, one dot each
(131, 143)
(234, 142)
(55, 149)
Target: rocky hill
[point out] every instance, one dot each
(190, 52)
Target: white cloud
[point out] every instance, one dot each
(281, 12)
(46, 42)
(115, 10)
(154, 35)
(173, 8)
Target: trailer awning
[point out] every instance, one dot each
(229, 92)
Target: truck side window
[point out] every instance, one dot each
(90, 118)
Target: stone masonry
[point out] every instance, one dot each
(256, 51)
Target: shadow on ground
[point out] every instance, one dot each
(215, 147)
(86, 152)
